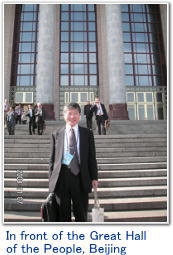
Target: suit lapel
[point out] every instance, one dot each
(82, 143)
(60, 142)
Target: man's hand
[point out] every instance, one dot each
(95, 184)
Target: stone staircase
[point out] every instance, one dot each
(132, 176)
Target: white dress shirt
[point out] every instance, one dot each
(99, 110)
(30, 112)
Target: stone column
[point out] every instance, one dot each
(46, 58)
(102, 54)
(163, 14)
(9, 17)
(115, 65)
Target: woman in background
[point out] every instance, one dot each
(11, 121)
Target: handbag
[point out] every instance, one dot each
(97, 211)
(50, 208)
(36, 119)
(107, 124)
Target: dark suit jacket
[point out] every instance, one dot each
(33, 115)
(87, 111)
(43, 113)
(88, 164)
(94, 109)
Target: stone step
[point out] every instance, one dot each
(131, 154)
(116, 126)
(113, 154)
(31, 161)
(129, 204)
(23, 146)
(26, 161)
(117, 204)
(14, 138)
(98, 145)
(123, 136)
(132, 181)
(122, 144)
(134, 149)
(110, 131)
(106, 182)
(33, 142)
(129, 216)
(132, 173)
(135, 216)
(27, 166)
(142, 159)
(26, 174)
(129, 140)
(22, 216)
(98, 138)
(133, 166)
(102, 174)
(14, 151)
(114, 192)
(118, 166)
(29, 151)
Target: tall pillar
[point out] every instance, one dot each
(115, 65)
(163, 14)
(46, 58)
(9, 17)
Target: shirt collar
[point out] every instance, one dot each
(68, 127)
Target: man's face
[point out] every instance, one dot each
(97, 101)
(72, 117)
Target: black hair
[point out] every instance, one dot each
(72, 106)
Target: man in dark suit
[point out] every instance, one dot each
(11, 120)
(40, 118)
(31, 116)
(73, 166)
(89, 114)
(101, 115)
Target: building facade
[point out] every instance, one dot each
(55, 54)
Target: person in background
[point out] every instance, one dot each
(11, 121)
(40, 118)
(19, 111)
(31, 115)
(73, 165)
(101, 115)
(89, 114)
(24, 117)
(6, 109)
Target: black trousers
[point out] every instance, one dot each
(89, 122)
(19, 119)
(40, 126)
(101, 122)
(11, 128)
(32, 126)
(69, 189)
